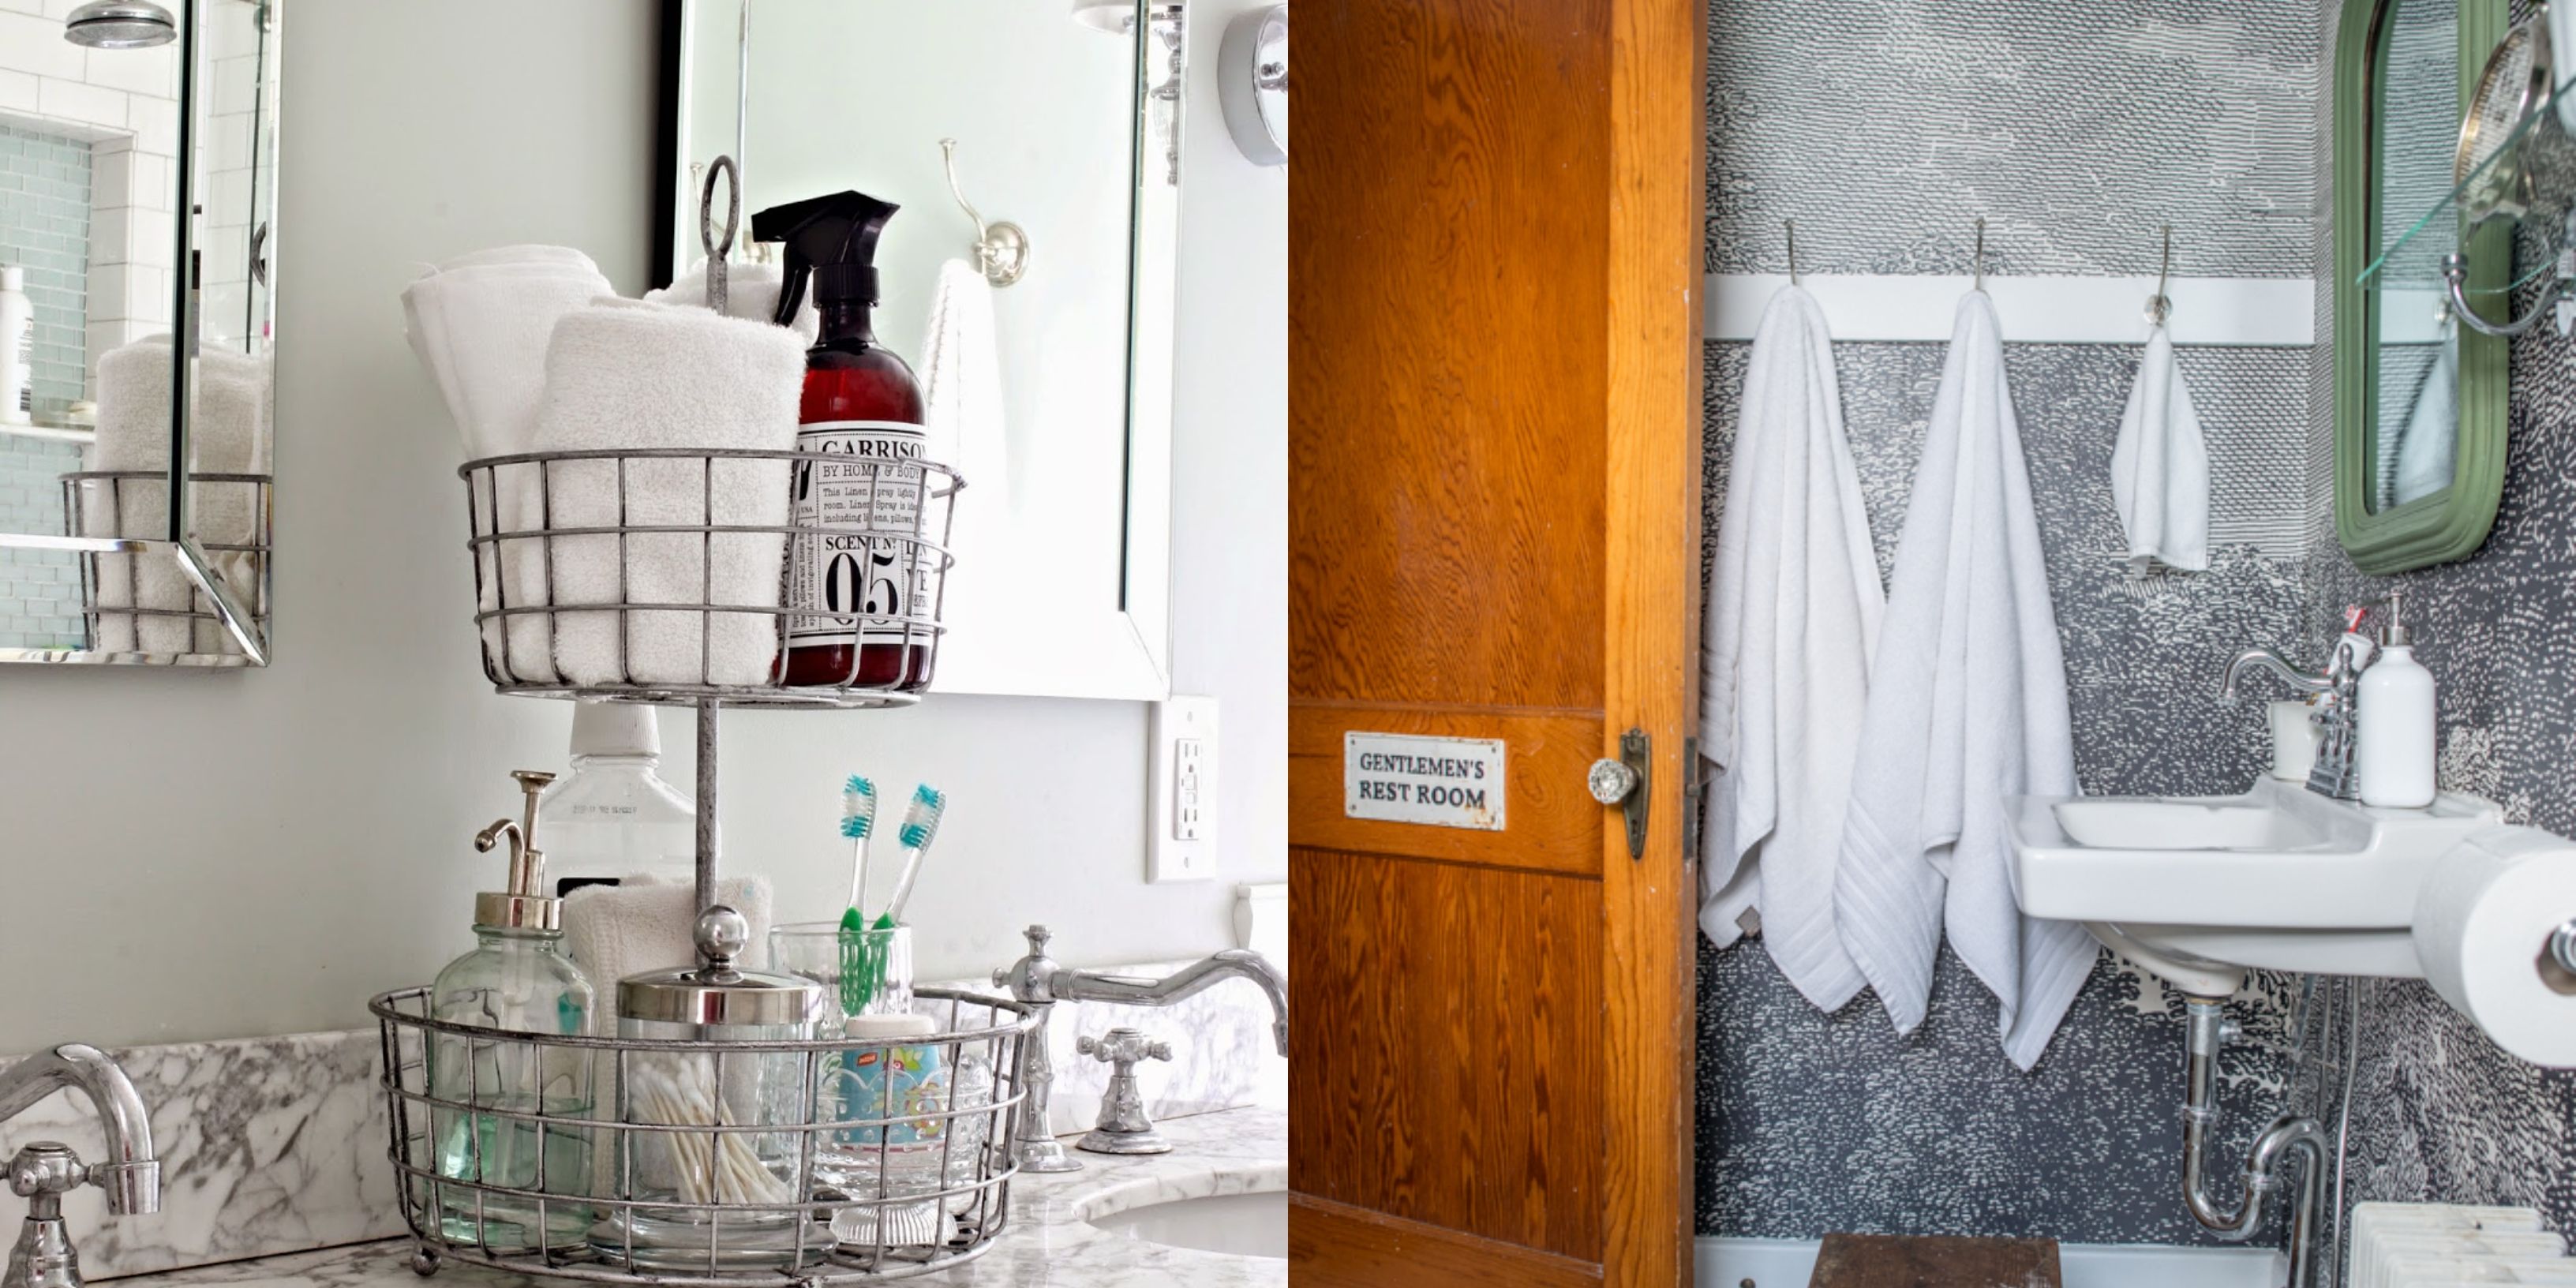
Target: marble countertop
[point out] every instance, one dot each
(1050, 1243)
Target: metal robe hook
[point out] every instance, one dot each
(1001, 247)
(1980, 260)
(2160, 305)
(1792, 226)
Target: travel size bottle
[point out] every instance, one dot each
(863, 402)
(519, 981)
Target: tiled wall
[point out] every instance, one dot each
(2077, 131)
(44, 228)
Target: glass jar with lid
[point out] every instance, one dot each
(710, 1132)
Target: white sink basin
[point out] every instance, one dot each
(2198, 888)
(1241, 1225)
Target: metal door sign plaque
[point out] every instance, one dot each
(1441, 782)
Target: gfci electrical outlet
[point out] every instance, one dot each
(1183, 845)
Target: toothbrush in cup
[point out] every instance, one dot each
(858, 820)
(920, 827)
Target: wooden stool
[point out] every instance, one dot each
(1934, 1261)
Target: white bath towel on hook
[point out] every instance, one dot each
(1967, 706)
(1793, 612)
(2160, 466)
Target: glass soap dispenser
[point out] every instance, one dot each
(519, 982)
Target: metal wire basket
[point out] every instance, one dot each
(564, 1182)
(144, 602)
(670, 575)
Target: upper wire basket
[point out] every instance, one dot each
(568, 1155)
(667, 574)
(145, 603)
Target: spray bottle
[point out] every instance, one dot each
(861, 401)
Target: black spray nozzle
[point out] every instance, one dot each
(832, 239)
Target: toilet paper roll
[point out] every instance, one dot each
(2482, 926)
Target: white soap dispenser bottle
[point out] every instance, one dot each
(2393, 715)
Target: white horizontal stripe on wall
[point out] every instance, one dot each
(2034, 310)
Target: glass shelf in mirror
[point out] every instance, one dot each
(2412, 260)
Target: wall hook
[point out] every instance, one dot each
(1001, 247)
(2160, 305)
(1791, 225)
(1980, 260)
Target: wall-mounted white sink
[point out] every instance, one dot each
(2199, 888)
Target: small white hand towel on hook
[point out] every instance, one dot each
(961, 378)
(2160, 466)
(1967, 706)
(1793, 612)
(2425, 455)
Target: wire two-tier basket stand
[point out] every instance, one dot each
(581, 603)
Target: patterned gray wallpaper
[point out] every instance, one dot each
(2076, 130)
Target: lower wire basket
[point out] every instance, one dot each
(635, 1160)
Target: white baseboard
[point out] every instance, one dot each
(1786, 1263)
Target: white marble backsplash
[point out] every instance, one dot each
(266, 1145)
(274, 1145)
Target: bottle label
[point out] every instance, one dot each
(885, 578)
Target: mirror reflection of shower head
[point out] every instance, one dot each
(2493, 135)
(120, 24)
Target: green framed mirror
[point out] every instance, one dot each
(2419, 400)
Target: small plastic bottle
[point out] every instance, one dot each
(614, 816)
(516, 980)
(17, 348)
(2393, 723)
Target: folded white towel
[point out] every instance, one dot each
(2432, 433)
(647, 922)
(1793, 612)
(1967, 705)
(480, 323)
(751, 291)
(227, 434)
(962, 420)
(2160, 466)
(624, 375)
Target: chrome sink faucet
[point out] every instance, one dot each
(1041, 983)
(45, 1171)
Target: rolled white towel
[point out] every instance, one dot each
(480, 323)
(751, 291)
(227, 434)
(625, 375)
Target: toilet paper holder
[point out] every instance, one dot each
(2558, 961)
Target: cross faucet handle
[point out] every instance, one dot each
(1124, 1047)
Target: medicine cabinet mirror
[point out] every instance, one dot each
(142, 190)
(1065, 122)
(2419, 396)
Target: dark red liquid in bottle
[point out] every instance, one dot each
(848, 376)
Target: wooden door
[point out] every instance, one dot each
(1494, 370)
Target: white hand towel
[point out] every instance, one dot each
(2160, 466)
(2432, 435)
(625, 375)
(1967, 705)
(227, 434)
(751, 291)
(962, 421)
(1793, 612)
(480, 323)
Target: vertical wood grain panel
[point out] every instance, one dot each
(1656, 235)
(1448, 1035)
(1446, 351)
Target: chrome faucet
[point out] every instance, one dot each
(45, 1171)
(1041, 983)
(2271, 660)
